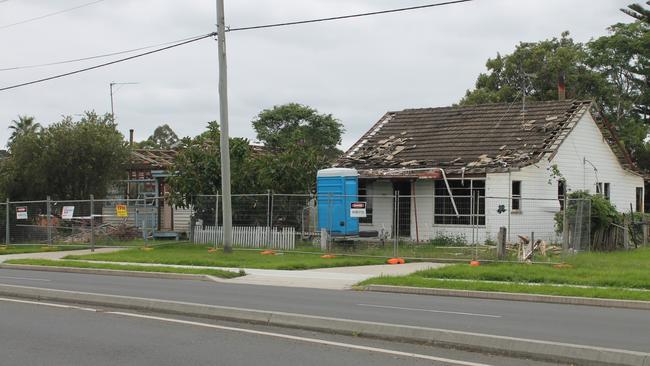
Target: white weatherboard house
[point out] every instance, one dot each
(506, 166)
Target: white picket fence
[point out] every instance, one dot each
(249, 237)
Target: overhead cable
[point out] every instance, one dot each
(49, 14)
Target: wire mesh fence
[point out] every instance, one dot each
(435, 226)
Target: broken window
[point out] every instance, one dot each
(606, 190)
(469, 196)
(599, 188)
(639, 199)
(561, 192)
(516, 195)
(364, 196)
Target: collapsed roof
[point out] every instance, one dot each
(152, 158)
(471, 139)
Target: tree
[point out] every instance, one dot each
(163, 137)
(67, 160)
(197, 168)
(23, 126)
(637, 11)
(535, 68)
(298, 141)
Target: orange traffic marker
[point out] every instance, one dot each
(396, 261)
(474, 263)
(267, 252)
(328, 256)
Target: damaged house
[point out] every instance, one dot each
(505, 166)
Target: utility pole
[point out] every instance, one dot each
(223, 114)
(111, 85)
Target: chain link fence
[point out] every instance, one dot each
(434, 227)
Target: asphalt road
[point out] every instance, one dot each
(40, 334)
(595, 326)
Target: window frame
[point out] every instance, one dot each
(515, 204)
(442, 202)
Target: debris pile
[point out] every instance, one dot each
(120, 231)
(383, 153)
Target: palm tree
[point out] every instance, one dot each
(23, 126)
(638, 12)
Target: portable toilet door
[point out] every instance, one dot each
(337, 188)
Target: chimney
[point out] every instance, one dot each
(131, 137)
(561, 89)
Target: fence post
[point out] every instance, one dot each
(396, 229)
(644, 228)
(48, 211)
(267, 236)
(565, 225)
(501, 243)
(626, 232)
(7, 223)
(216, 218)
(92, 223)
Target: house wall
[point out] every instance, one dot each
(540, 190)
(539, 202)
(381, 194)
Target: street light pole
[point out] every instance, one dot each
(223, 114)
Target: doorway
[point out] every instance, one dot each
(403, 214)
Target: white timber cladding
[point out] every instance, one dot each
(382, 206)
(539, 191)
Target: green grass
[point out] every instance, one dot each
(408, 250)
(619, 273)
(198, 255)
(19, 249)
(602, 293)
(125, 267)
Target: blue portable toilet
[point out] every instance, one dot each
(336, 189)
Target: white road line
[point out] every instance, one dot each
(430, 310)
(26, 278)
(303, 339)
(48, 304)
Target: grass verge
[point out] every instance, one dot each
(125, 267)
(198, 255)
(615, 275)
(596, 292)
(19, 249)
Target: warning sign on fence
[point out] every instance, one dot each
(357, 209)
(121, 211)
(21, 213)
(67, 212)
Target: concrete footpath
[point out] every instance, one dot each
(336, 278)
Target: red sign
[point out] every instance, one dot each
(357, 205)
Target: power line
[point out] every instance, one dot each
(107, 63)
(358, 15)
(50, 14)
(93, 57)
(274, 25)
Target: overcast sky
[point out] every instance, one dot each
(355, 69)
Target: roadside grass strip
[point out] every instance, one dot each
(36, 248)
(198, 255)
(619, 275)
(125, 267)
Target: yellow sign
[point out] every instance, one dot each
(121, 211)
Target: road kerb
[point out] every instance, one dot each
(568, 300)
(114, 272)
(579, 354)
